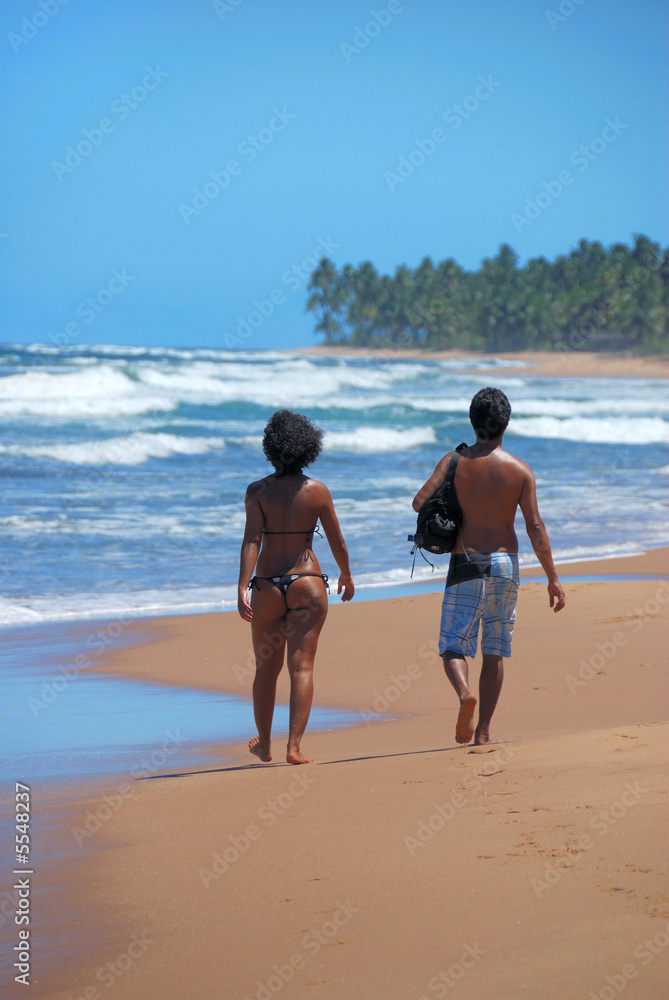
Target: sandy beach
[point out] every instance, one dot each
(399, 864)
(555, 364)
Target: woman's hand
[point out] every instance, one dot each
(244, 607)
(346, 584)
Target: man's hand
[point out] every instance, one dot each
(556, 593)
(244, 607)
(346, 584)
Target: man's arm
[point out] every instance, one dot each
(536, 531)
(248, 556)
(335, 538)
(437, 478)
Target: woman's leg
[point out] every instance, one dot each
(308, 608)
(269, 643)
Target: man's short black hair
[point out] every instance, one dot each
(291, 442)
(489, 413)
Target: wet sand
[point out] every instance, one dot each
(399, 864)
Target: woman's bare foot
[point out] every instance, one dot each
(464, 729)
(295, 757)
(260, 751)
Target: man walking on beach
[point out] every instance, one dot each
(483, 580)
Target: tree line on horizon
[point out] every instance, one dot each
(593, 298)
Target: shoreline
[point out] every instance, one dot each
(648, 564)
(158, 655)
(396, 836)
(546, 364)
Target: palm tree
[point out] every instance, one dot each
(326, 301)
(591, 297)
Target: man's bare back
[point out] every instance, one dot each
(490, 485)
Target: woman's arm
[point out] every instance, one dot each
(248, 556)
(337, 544)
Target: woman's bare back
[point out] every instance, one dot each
(291, 507)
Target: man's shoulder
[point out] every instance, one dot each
(517, 463)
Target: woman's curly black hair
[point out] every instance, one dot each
(291, 442)
(489, 413)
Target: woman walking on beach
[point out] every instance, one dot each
(288, 599)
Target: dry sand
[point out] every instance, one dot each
(558, 364)
(535, 871)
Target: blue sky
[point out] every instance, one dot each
(302, 112)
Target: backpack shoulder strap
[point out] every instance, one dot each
(449, 489)
(452, 465)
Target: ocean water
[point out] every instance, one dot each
(124, 468)
(60, 723)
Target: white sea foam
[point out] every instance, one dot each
(534, 406)
(378, 439)
(91, 392)
(32, 611)
(132, 381)
(362, 439)
(217, 524)
(132, 449)
(640, 430)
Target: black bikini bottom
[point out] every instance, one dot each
(282, 583)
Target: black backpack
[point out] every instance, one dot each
(440, 517)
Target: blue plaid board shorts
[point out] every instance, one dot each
(489, 598)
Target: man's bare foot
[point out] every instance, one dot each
(482, 739)
(464, 729)
(295, 757)
(260, 751)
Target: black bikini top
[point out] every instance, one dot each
(306, 531)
